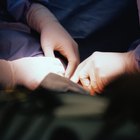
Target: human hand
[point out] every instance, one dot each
(30, 71)
(55, 38)
(101, 68)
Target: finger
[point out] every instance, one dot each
(75, 76)
(48, 52)
(73, 61)
(92, 91)
(84, 78)
(94, 81)
(70, 69)
(86, 83)
(98, 81)
(72, 55)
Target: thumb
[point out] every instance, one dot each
(77, 74)
(75, 77)
(48, 52)
(86, 83)
(70, 69)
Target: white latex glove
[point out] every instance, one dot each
(53, 36)
(101, 68)
(30, 71)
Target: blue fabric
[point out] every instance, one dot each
(18, 8)
(80, 18)
(18, 44)
(103, 25)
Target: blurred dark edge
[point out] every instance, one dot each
(117, 109)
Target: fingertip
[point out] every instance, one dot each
(92, 92)
(49, 52)
(68, 72)
(74, 79)
(71, 67)
(67, 75)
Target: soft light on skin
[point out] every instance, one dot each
(30, 71)
(99, 69)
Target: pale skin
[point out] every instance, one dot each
(99, 69)
(30, 71)
(53, 36)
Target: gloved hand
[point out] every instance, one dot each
(53, 36)
(101, 68)
(30, 71)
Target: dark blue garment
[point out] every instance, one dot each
(136, 46)
(16, 43)
(97, 25)
(14, 10)
(18, 9)
(80, 18)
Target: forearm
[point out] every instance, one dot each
(39, 16)
(6, 75)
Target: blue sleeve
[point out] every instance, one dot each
(137, 54)
(19, 8)
(136, 47)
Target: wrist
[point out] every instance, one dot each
(39, 17)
